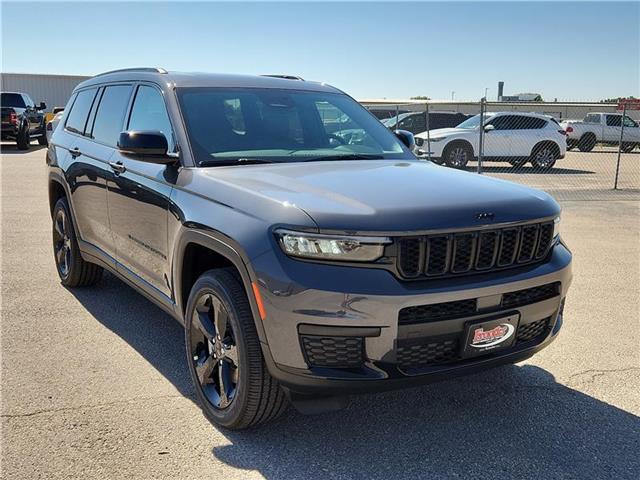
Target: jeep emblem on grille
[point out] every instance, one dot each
(485, 216)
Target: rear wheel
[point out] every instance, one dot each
(544, 157)
(457, 155)
(587, 142)
(73, 270)
(232, 383)
(23, 140)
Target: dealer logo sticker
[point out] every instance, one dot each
(488, 338)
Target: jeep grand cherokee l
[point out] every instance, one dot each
(304, 265)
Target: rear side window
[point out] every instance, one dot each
(150, 113)
(77, 118)
(614, 120)
(592, 118)
(109, 120)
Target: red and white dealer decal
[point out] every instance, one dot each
(486, 338)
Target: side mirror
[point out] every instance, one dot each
(489, 128)
(42, 106)
(147, 145)
(406, 138)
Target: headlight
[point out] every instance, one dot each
(436, 139)
(330, 247)
(556, 229)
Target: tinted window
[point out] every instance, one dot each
(150, 113)
(517, 122)
(77, 118)
(110, 114)
(628, 122)
(12, 100)
(592, 118)
(614, 120)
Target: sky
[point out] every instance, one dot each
(565, 50)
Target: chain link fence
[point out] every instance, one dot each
(573, 150)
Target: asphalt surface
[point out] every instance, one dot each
(94, 381)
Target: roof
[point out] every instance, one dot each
(197, 79)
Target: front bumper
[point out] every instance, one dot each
(304, 299)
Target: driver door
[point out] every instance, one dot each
(498, 142)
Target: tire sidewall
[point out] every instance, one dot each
(208, 283)
(62, 204)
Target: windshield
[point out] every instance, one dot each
(388, 122)
(473, 122)
(282, 126)
(12, 100)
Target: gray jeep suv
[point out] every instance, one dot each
(306, 261)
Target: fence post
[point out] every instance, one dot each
(481, 139)
(397, 115)
(624, 113)
(428, 133)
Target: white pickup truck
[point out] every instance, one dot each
(601, 128)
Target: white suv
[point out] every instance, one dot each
(512, 137)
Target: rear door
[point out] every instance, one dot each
(86, 174)
(139, 195)
(612, 128)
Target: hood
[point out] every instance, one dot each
(443, 132)
(385, 195)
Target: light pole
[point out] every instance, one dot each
(452, 94)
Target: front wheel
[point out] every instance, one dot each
(457, 155)
(232, 384)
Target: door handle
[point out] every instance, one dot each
(117, 167)
(75, 152)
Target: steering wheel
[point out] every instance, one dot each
(337, 138)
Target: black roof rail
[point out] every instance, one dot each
(286, 77)
(135, 69)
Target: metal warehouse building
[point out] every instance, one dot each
(54, 90)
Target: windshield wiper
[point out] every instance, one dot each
(233, 161)
(346, 156)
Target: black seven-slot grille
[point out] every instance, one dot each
(473, 252)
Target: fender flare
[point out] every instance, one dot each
(59, 179)
(226, 247)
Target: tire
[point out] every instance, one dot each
(42, 139)
(73, 270)
(457, 155)
(544, 156)
(230, 362)
(23, 140)
(518, 162)
(628, 147)
(587, 142)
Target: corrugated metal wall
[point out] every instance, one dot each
(54, 90)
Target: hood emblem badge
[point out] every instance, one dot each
(485, 216)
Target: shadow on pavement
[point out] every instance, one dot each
(12, 149)
(510, 422)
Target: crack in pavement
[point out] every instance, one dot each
(595, 373)
(93, 406)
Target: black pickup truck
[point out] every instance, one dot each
(22, 120)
